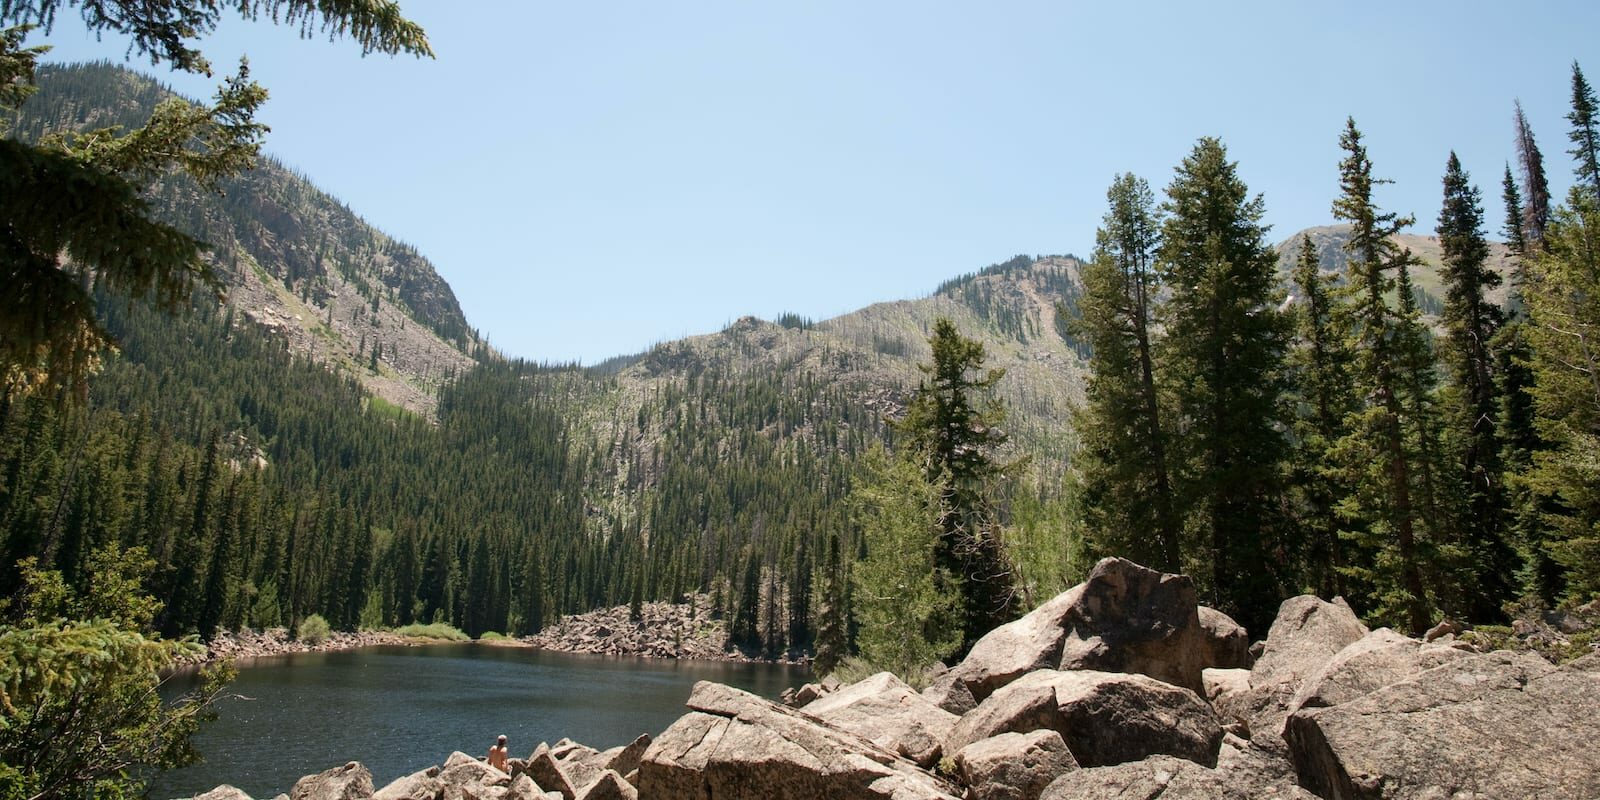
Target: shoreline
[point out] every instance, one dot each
(247, 645)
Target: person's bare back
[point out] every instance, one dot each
(497, 754)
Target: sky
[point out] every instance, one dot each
(593, 178)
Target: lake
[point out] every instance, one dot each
(401, 709)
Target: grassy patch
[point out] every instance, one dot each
(437, 630)
(492, 636)
(383, 409)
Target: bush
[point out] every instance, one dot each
(313, 630)
(491, 636)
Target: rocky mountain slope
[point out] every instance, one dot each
(294, 261)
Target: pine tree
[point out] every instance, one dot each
(832, 617)
(1535, 190)
(1223, 357)
(1472, 324)
(1379, 462)
(1122, 459)
(951, 429)
(1585, 133)
(1320, 364)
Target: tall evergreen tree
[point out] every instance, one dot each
(832, 616)
(1380, 463)
(1319, 364)
(1122, 460)
(951, 430)
(1535, 189)
(1585, 133)
(1564, 338)
(1472, 324)
(1223, 356)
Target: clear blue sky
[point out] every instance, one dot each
(592, 178)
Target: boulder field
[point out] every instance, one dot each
(1121, 687)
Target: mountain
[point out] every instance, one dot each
(293, 260)
(1329, 241)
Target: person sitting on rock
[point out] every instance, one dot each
(497, 754)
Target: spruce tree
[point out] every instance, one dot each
(1223, 357)
(1472, 324)
(1585, 133)
(1319, 365)
(951, 431)
(1122, 460)
(1379, 462)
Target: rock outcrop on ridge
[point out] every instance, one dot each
(1122, 687)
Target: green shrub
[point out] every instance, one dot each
(313, 630)
(436, 630)
(491, 636)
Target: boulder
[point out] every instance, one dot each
(224, 792)
(473, 773)
(806, 694)
(1222, 684)
(457, 758)
(424, 785)
(1306, 635)
(1014, 649)
(733, 744)
(885, 711)
(951, 694)
(609, 786)
(1370, 663)
(1104, 717)
(1134, 619)
(549, 774)
(1124, 618)
(625, 759)
(349, 782)
(1227, 642)
(1167, 778)
(1013, 766)
(1501, 724)
(523, 788)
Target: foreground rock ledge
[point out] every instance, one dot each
(734, 744)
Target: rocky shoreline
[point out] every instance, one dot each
(1122, 687)
(664, 630)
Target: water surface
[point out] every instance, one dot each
(400, 709)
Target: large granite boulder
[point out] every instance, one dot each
(1305, 636)
(1166, 778)
(1104, 717)
(224, 792)
(1124, 618)
(733, 744)
(1013, 766)
(549, 774)
(1370, 663)
(1227, 642)
(1502, 724)
(609, 786)
(349, 782)
(423, 785)
(885, 711)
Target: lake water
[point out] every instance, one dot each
(401, 709)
